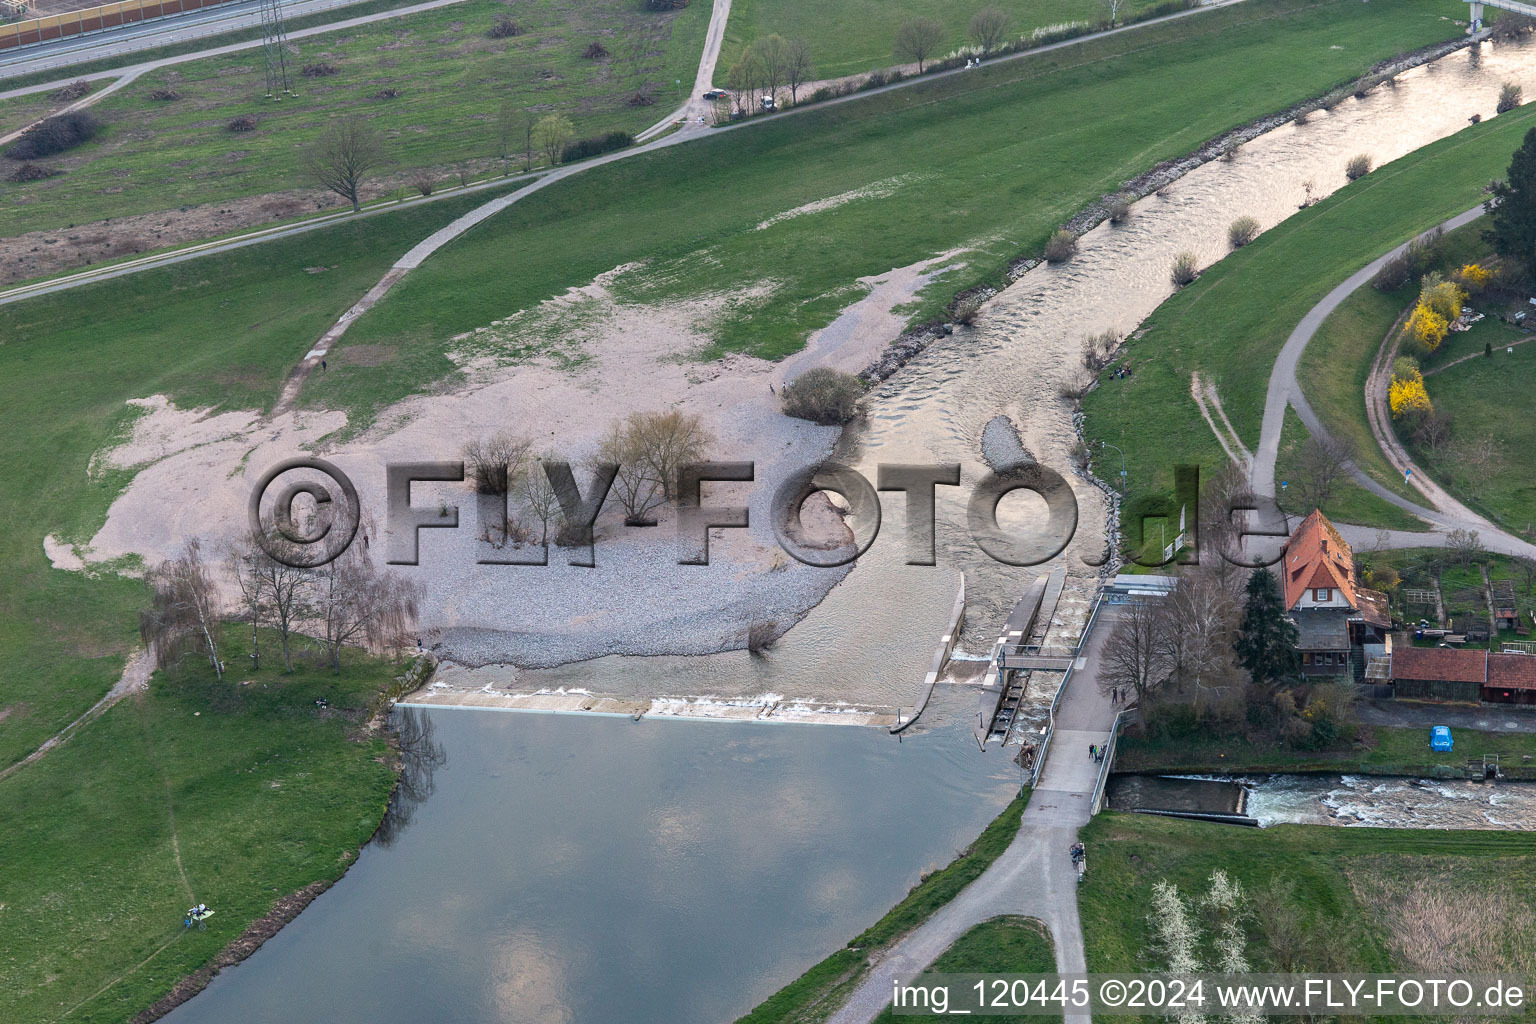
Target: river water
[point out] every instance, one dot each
(870, 640)
(1392, 802)
(576, 868)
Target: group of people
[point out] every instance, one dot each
(1079, 852)
(1117, 695)
(197, 913)
(1096, 752)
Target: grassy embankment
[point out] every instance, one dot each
(992, 161)
(1380, 751)
(817, 993)
(218, 332)
(1362, 898)
(452, 81)
(234, 794)
(1003, 945)
(1231, 323)
(857, 35)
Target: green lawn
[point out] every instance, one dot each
(220, 331)
(817, 993)
(452, 78)
(233, 794)
(993, 160)
(1361, 898)
(1382, 751)
(851, 36)
(1230, 324)
(1003, 945)
(1490, 397)
(1351, 503)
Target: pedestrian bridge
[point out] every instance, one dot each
(1475, 10)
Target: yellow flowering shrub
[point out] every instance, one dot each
(1408, 396)
(1475, 276)
(1427, 327)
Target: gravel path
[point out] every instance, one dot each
(1285, 390)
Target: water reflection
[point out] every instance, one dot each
(421, 755)
(585, 869)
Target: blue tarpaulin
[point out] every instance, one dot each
(1440, 738)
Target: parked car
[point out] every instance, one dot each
(716, 94)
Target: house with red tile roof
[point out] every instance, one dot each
(1452, 674)
(1335, 617)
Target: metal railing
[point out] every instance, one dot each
(1066, 677)
(1108, 764)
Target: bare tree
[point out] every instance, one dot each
(1199, 623)
(1112, 10)
(253, 597)
(1321, 464)
(746, 81)
(1480, 459)
(529, 124)
(989, 27)
(184, 616)
(918, 39)
(496, 462)
(552, 134)
(636, 486)
(772, 55)
(540, 496)
(1136, 653)
(797, 67)
(665, 442)
(344, 153)
(355, 604)
(279, 590)
(1525, 566)
(1465, 545)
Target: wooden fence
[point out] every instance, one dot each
(94, 19)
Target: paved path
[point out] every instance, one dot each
(180, 28)
(1034, 877)
(1510, 718)
(1285, 390)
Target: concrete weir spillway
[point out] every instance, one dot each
(1204, 799)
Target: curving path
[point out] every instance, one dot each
(1285, 390)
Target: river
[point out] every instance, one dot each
(577, 868)
(868, 642)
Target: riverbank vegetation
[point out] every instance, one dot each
(817, 993)
(440, 90)
(237, 793)
(1003, 945)
(1318, 898)
(1231, 323)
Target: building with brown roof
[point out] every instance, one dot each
(1446, 673)
(1334, 616)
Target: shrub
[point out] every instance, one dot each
(1358, 167)
(387, 93)
(1242, 231)
(1061, 247)
(875, 80)
(1406, 368)
(1427, 327)
(320, 70)
(824, 396)
(164, 95)
(1119, 208)
(1303, 115)
(1408, 397)
(55, 135)
(967, 309)
(641, 99)
(424, 182)
(1185, 269)
(1075, 387)
(1444, 297)
(73, 91)
(504, 27)
(595, 51)
(243, 124)
(33, 172)
(1509, 98)
(1474, 277)
(583, 148)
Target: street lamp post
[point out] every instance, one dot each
(1106, 444)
